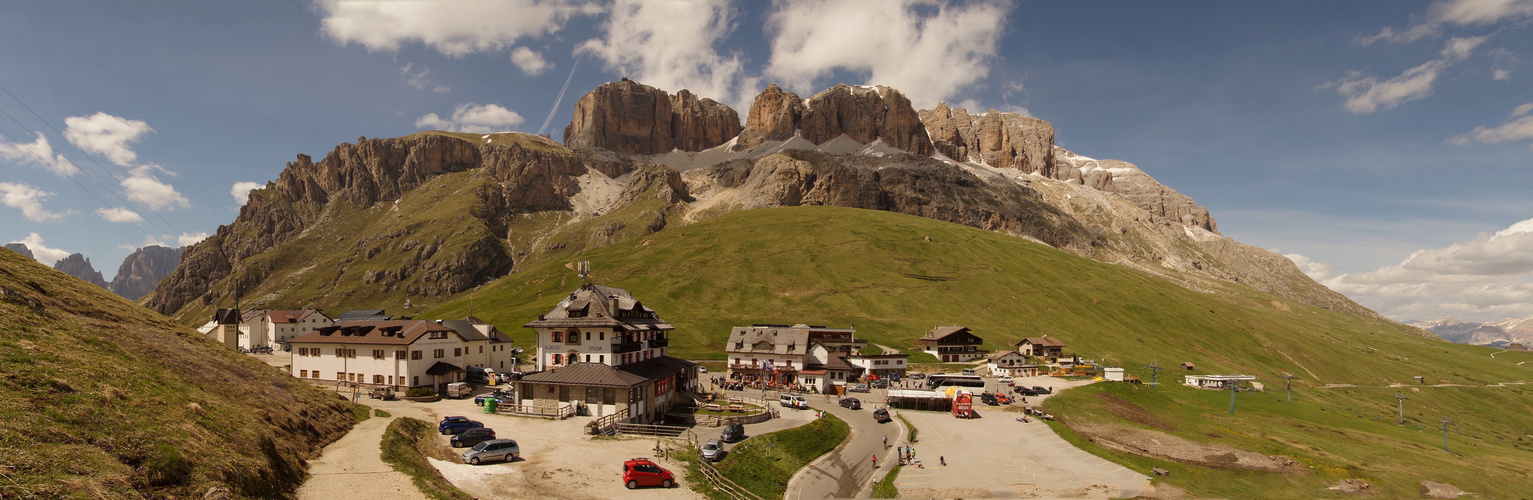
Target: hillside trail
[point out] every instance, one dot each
(353, 466)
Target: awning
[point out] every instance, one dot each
(441, 368)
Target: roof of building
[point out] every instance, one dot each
(837, 363)
(227, 316)
(468, 328)
(941, 332)
(392, 332)
(1045, 341)
(442, 368)
(1001, 354)
(281, 315)
(593, 306)
(768, 340)
(363, 315)
(603, 375)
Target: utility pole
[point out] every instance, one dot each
(1154, 366)
(1402, 399)
(1233, 385)
(1290, 378)
(1446, 423)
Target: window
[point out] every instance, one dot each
(377, 353)
(609, 397)
(481, 349)
(588, 335)
(391, 380)
(340, 376)
(416, 380)
(438, 335)
(340, 352)
(377, 379)
(601, 358)
(400, 354)
(457, 351)
(573, 338)
(601, 335)
(588, 358)
(303, 351)
(415, 355)
(558, 359)
(351, 353)
(564, 394)
(303, 374)
(440, 353)
(558, 336)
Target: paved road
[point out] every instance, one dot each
(847, 471)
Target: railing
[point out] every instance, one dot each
(607, 424)
(559, 413)
(717, 479)
(626, 347)
(657, 343)
(650, 430)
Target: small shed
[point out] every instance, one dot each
(1113, 374)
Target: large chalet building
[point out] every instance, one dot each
(400, 353)
(811, 357)
(602, 350)
(952, 344)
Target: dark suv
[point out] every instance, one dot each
(472, 437)
(852, 403)
(454, 425)
(732, 433)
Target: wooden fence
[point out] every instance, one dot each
(558, 413)
(717, 479)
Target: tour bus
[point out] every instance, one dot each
(936, 381)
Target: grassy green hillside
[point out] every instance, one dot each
(102, 398)
(896, 276)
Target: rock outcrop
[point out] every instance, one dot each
(143, 269)
(1127, 180)
(529, 174)
(1000, 140)
(79, 266)
(20, 248)
(863, 114)
(630, 117)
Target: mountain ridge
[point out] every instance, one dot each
(535, 199)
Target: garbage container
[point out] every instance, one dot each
(490, 405)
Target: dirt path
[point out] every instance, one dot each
(351, 468)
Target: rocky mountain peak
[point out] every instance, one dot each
(863, 113)
(630, 117)
(143, 269)
(1000, 140)
(20, 248)
(79, 266)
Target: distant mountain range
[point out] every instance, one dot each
(139, 273)
(1496, 333)
(434, 214)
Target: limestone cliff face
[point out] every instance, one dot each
(1000, 140)
(21, 249)
(634, 118)
(143, 269)
(863, 114)
(1127, 180)
(533, 174)
(79, 266)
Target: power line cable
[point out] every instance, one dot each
(71, 178)
(92, 159)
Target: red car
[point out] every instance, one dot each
(1003, 399)
(642, 472)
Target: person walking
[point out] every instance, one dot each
(875, 460)
(943, 460)
(886, 441)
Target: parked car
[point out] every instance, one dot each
(1003, 399)
(881, 415)
(454, 425)
(858, 388)
(472, 437)
(793, 401)
(880, 384)
(458, 390)
(494, 449)
(642, 472)
(1043, 390)
(1007, 380)
(852, 403)
(702, 369)
(916, 376)
(712, 450)
(1026, 391)
(988, 399)
(500, 399)
(732, 433)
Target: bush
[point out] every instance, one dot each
(420, 392)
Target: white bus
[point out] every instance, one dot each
(936, 381)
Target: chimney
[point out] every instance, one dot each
(614, 306)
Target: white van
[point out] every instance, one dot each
(459, 390)
(970, 371)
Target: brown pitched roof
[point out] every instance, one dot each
(591, 306)
(587, 374)
(768, 340)
(1042, 341)
(943, 331)
(393, 332)
(442, 368)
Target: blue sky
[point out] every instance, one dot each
(1385, 146)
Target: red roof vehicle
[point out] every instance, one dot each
(642, 472)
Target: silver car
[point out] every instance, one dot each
(494, 449)
(712, 451)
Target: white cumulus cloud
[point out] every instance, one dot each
(421, 80)
(530, 61)
(143, 186)
(671, 46)
(190, 238)
(1456, 12)
(241, 190)
(1315, 270)
(472, 118)
(30, 200)
(928, 49)
(1487, 278)
(119, 215)
(1517, 127)
(106, 135)
(43, 253)
(37, 153)
(453, 27)
(1366, 94)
